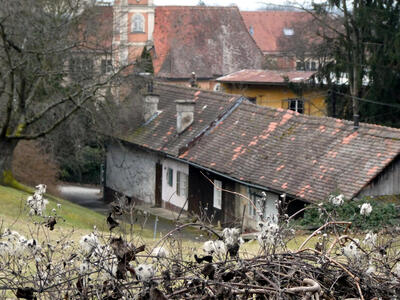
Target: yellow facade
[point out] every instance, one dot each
(276, 96)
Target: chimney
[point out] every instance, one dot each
(184, 114)
(150, 105)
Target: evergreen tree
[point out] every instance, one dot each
(364, 38)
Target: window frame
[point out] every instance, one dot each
(217, 195)
(297, 108)
(137, 23)
(81, 68)
(257, 198)
(170, 177)
(181, 184)
(106, 66)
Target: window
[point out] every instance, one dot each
(106, 66)
(137, 23)
(170, 177)
(252, 99)
(313, 66)
(306, 65)
(217, 194)
(81, 68)
(251, 30)
(299, 66)
(288, 31)
(252, 209)
(296, 105)
(259, 199)
(217, 87)
(181, 184)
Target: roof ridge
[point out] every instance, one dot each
(196, 7)
(198, 89)
(346, 122)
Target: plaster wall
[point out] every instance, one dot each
(250, 221)
(274, 96)
(131, 172)
(168, 193)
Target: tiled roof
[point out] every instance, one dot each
(266, 76)
(160, 134)
(304, 156)
(268, 26)
(210, 41)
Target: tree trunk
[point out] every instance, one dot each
(6, 154)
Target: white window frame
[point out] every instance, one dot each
(296, 105)
(137, 23)
(217, 201)
(181, 184)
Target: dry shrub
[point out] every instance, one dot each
(32, 165)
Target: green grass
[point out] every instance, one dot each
(13, 209)
(75, 220)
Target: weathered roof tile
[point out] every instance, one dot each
(210, 41)
(207, 108)
(308, 164)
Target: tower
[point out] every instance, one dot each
(133, 28)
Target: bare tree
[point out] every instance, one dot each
(304, 43)
(55, 57)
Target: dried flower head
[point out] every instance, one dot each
(365, 209)
(336, 200)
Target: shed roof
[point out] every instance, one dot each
(304, 156)
(268, 26)
(210, 41)
(160, 134)
(266, 76)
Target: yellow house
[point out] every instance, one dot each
(279, 89)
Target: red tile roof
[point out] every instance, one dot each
(268, 26)
(161, 135)
(207, 40)
(304, 156)
(266, 76)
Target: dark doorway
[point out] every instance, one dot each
(158, 184)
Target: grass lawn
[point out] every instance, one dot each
(78, 220)
(13, 211)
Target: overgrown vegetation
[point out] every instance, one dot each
(119, 264)
(382, 215)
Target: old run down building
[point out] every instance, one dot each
(201, 151)
(195, 146)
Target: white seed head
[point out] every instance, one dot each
(365, 209)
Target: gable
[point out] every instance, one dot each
(210, 41)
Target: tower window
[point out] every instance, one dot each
(137, 23)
